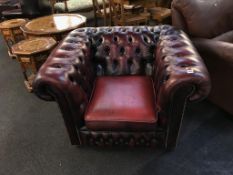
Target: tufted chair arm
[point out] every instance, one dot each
(181, 77)
(67, 77)
(179, 64)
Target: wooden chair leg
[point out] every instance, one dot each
(66, 6)
(94, 10)
(52, 3)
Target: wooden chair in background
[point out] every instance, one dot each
(72, 6)
(53, 2)
(102, 9)
(122, 15)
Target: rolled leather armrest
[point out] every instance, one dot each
(67, 76)
(181, 77)
(225, 37)
(216, 49)
(178, 66)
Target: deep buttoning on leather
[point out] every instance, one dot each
(162, 52)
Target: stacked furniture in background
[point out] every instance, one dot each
(31, 41)
(103, 10)
(31, 54)
(130, 13)
(116, 12)
(123, 85)
(70, 6)
(210, 24)
(29, 9)
(12, 33)
(8, 5)
(125, 14)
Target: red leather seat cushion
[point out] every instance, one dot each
(123, 103)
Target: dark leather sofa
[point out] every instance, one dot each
(123, 85)
(210, 24)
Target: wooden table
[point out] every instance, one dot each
(11, 32)
(56, 26)
(31, 54)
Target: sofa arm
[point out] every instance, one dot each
(218, 56)
(215, 49)
(68, 70)
(180, 77)
(178, 64)
(67, 76)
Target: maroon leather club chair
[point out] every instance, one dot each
(210, 24)
(123, 85)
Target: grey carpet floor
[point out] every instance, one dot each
(33, 139)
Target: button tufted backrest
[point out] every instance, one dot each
(123, 50)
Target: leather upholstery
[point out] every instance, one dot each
(161, 52)
(218, 56)
(205, 19)
(122, 103)
(210, 24)
(121, 54)
(118, 138)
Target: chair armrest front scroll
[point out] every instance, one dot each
(178, 64)
(67, 76)
(180, 77)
